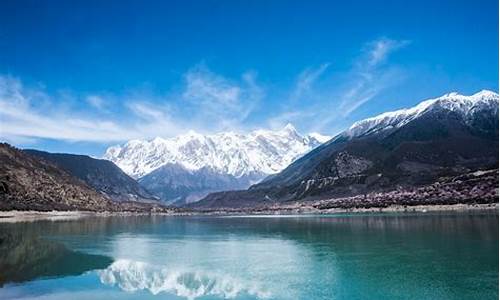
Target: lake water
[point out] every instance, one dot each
(370, 256)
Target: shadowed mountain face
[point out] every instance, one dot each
(19, 263)
(395, 150)
(30, 183)
(102, 175)
(177, 185)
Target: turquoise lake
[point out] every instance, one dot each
(360, 256)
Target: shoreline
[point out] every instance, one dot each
(15, 216)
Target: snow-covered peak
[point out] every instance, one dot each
(260, 151)
(319, 137)
(451, 101)
(289, 128)
(485, 94)
(481, 95)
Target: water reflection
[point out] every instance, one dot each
(375, 256)
(132, 276)
(25, 258)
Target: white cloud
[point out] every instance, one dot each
(378, 50)
(29, 123)
(208, 89)
(218, 101)
(96, 101)
(280, 120)
(322, 108)
(367, 79)
(146, 111)
(306, 79)
(208, 102)
(23, 119)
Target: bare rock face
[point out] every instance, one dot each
(348, 165)
(417, 167)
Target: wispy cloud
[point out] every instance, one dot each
(306, 80)
(379, 49)
(207, 102)
(221, 101)
(146, 111)
(342, 92)
(96, 101)
(370, 75)
(27, 122)
(24, 119)
(280, 120)
(366, 87)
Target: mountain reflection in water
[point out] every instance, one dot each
(25, 257)
(448, 255)
(132, 276)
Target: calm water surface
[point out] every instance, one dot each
(377, 256)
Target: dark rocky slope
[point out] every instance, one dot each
(28, 182)
(474, 188)
(100, 174)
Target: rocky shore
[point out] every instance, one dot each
(31, 216)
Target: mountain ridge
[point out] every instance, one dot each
(102, 175)
(230, 153)
(30, 182)
(449, 135)
(398, 118)
(186, 168)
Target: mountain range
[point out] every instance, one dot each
(188, 167)
(100, 174)
(442, 151)
(29, 183)
(35, 180)
(446, 136)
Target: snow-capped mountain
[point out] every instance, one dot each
(188, 167)
(260, 151)
(439, 138)
(464, 105)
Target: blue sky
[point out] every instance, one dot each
(78, 76)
